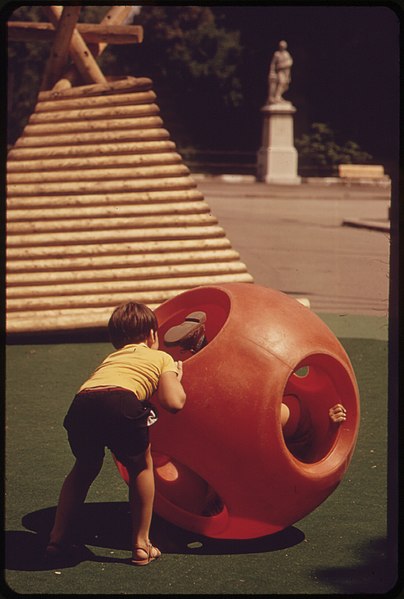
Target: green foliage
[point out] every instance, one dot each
(318, 148)
(194, 63)
(191, 47)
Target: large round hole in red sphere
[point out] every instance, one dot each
(185, 488)
(214, 302)
(316, 384)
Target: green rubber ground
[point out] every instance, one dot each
(343, 547)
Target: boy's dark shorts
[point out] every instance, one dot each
(111, 417)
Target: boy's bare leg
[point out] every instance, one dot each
(72, 496)
(285, 414)
(141, 497)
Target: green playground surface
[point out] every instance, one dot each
(346, 546)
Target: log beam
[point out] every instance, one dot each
(27, 31)
(115, 16)
(79, 51)
(115, 236)
(99, 250)
(88, 150)
(39, 284)
(127, 260)
(125, 84)
(61, 43)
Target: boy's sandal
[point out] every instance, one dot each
(151, 553)
(58, 550)
(190, 325)
(55, 550)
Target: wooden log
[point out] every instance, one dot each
(108, 87)
(96, 226)
(83, 280)
(134, 172)
(125, 248)
(21, 323)
(79, 52)
(31, 322)
(114, 236)
(117, 178)
(91, 150)
(102, 35)
(60, 312)
(84, 126)
(44, 265)
(87, 324)
(116, 15)
(61, 42)
(27, 31)
(123, 210)
(41, 323)
(107, 212)
(109, 187)
(110, 300)
(92, 162)
(66, 82)
(93, 137)
(95, 126)
(133, 99)
(31, 325)
(102, 186)
(93, 294)
(98, 199)
(45, 321)
(104, 112)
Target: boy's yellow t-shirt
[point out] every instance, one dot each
(136, 367)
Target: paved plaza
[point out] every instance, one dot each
(327, 242)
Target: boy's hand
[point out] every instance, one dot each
(179, 367)
(337, 413)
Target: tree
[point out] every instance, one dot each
(319, 151)
(194, 63)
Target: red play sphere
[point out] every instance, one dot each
(223, 466)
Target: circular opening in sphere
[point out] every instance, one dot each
(316, 385)
(213, 303)
(184, 488)
(301, 372)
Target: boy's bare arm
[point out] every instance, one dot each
(170, 391)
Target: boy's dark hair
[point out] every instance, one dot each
(131, 323)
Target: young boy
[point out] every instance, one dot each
(112, 409)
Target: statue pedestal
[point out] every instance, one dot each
(277, 157)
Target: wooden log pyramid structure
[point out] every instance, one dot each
(100, 207)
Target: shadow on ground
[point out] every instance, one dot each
(375, 570)
(108, 525)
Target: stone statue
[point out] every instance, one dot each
(279, 74)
